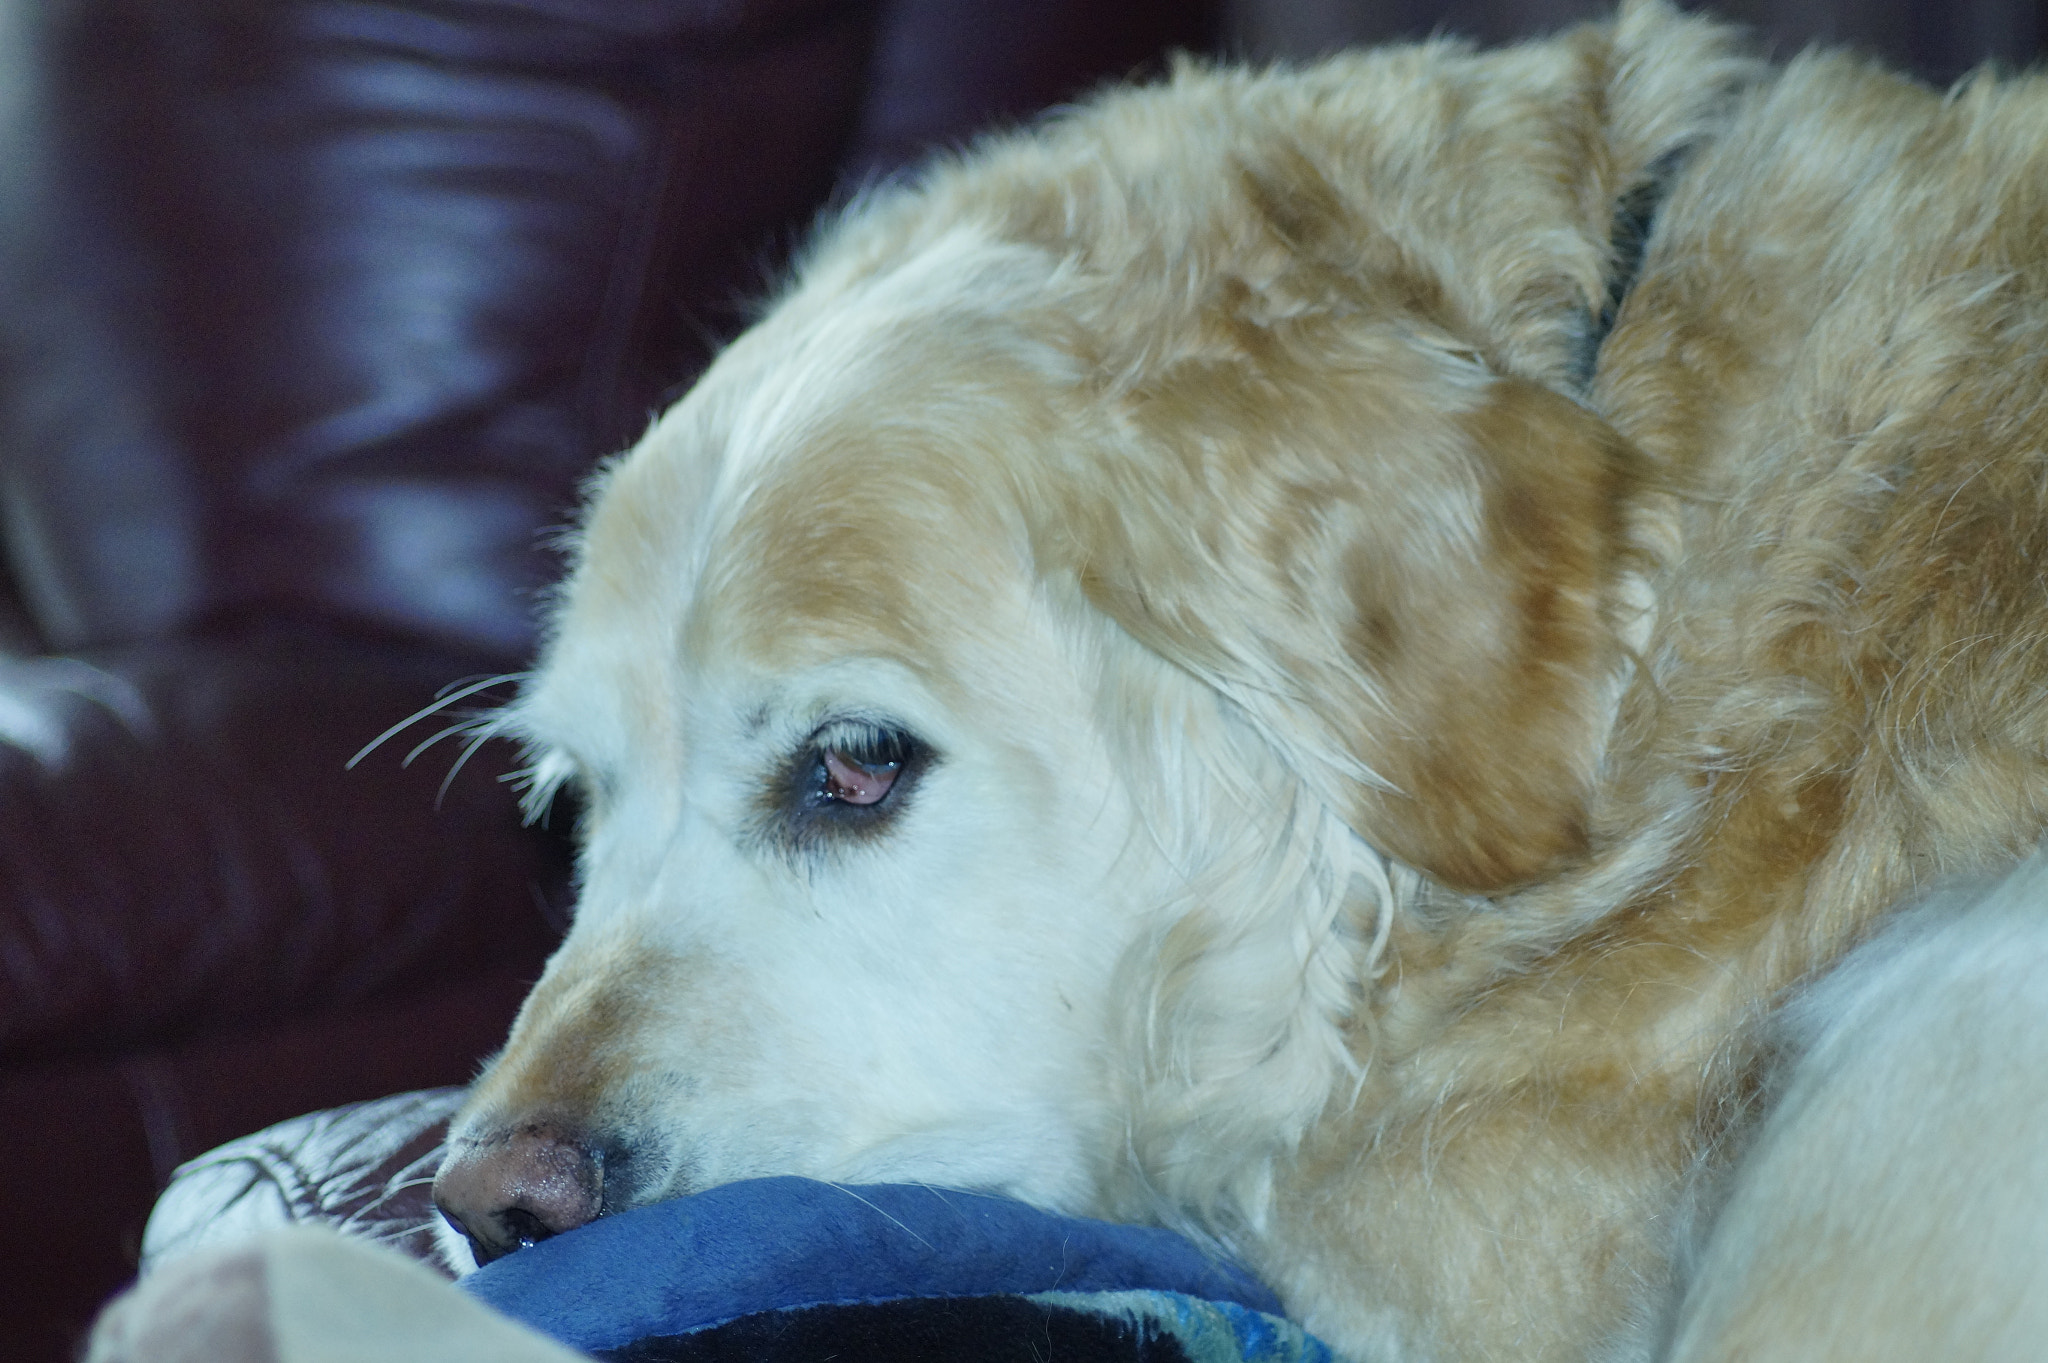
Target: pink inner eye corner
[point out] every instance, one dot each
(857, 783)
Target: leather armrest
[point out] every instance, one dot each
(182, 845)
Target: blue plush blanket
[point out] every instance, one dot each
(787, 1268)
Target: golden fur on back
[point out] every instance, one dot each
(1500, 749)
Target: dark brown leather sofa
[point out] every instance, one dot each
(313, 313)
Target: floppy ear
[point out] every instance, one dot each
(1398, 566)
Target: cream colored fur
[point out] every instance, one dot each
(1379, 793)
(1890, 1206)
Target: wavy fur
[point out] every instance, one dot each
(1374, 790)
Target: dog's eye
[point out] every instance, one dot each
(849, 777)
(850, 780)
(857, 763)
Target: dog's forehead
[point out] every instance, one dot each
(879, 538)
(845, 479)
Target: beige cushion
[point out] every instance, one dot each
(306, 1294)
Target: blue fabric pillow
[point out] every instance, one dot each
(777, 1243)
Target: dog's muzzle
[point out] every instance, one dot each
(508, 1189)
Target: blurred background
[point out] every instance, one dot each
(313, 316)
(1938, 41)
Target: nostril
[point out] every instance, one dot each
(522, 1227)
(515, 1188)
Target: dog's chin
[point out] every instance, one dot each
(1013, 1159)
(1020, 1154)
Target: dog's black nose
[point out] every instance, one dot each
(507, 1190)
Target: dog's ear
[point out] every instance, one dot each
(1400, 568)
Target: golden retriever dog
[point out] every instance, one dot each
(1378, 662)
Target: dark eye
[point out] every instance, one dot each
(850, 777)
(856, 764)
(854, 781)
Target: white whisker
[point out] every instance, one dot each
(461, 693)
(879, 1212)
(479, 737)
(474, 723)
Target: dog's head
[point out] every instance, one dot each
(1008, 693)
